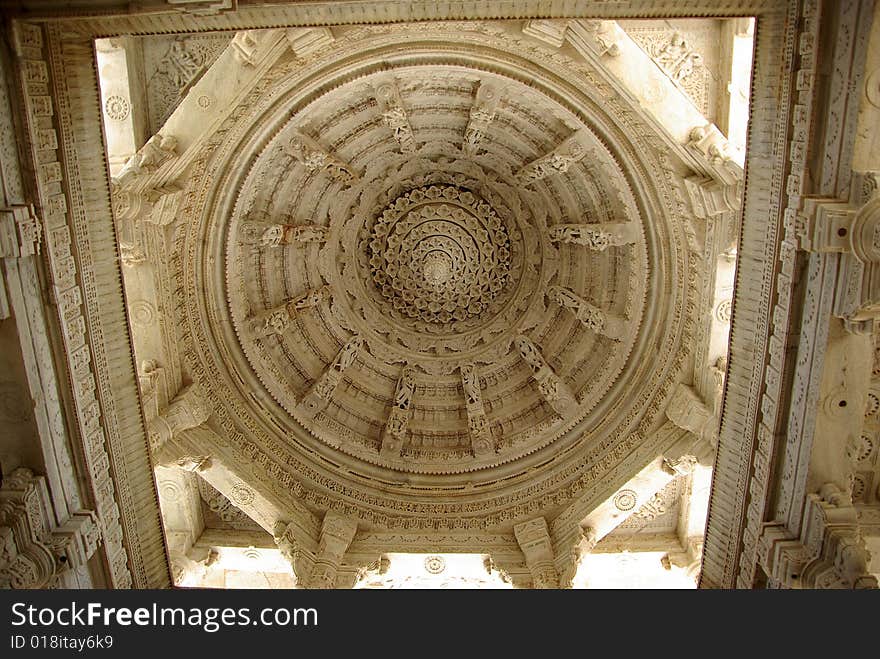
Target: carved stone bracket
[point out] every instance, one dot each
(189, 409)
(305, 41)
(337, 532)
(482, 115)
(556, 162)
(317, 159)
(394, 114)
(277, 320)
(829, 553)
(533, 537)
(597, 237)
(481, 437)
(597, 38)
(687, 410)
(33, 551)
(550, 32)
(713, 151)
(835, 226)
(20, 232)
(710, 198)
(552, 388)
(274, 235)
(394, 434)
(614, 327)
(318, 397)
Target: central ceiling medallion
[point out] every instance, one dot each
(440, 254)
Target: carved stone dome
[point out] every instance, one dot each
(424, 275)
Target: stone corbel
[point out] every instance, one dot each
(597, 38)
(275, 235)
(690, 558)
(593, 318)
(552, 388)
(713, 151)
(394, 433)
(305, 41)
(481, 437)
(393, 113)
(319, 395)
(20, 232)
(570, 543)
(245, 46)
(551, 32)
(189, 409)
(687, 411)
(482, 114)
(557, 161)
(277, 320)
(33, 551)
(337, 532)
(829, 553)
(316, 158)
(597, 237)
(533, 538)
(835, 226)
(710, 197)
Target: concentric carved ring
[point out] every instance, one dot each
(439, 253)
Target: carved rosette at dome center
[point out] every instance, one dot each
(439, 254)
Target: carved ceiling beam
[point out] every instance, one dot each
(394, 434)
(557, 161)
(36, 552)
(277, 321)
(829, 552)
(552, 388)
(393, 113)
(478, 427)
(274, 235)
(319, 395)
(597, 237)
(533, 538)
(593, 318)
(482, 114)
(316, 158)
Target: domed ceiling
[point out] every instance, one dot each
(439, 286)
